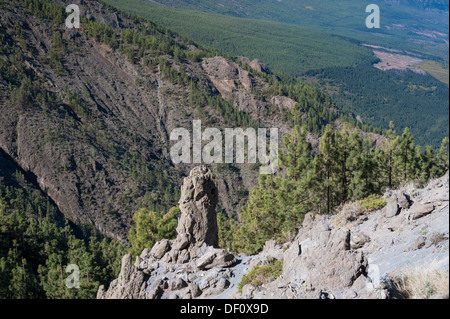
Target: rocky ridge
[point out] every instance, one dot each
(353, 254)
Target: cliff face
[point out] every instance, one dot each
(354, 254)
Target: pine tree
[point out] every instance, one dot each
(443, 156)
(52, 276)
(22, 282)
(296, 194)
(261, 219)
(359, 168)
(224, 225)
(386, 158)
(342, 149)
(371, 174)
(425, 164)
(405, 155)
(326, 171)
(151, 227)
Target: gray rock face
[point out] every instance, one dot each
(416, 238)
(189, 266)
(324, 261)
(127, 286)
(198, 220)
(351, 255)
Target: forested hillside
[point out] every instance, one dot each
(85, 120)
(401, 27)
(327, 42)
(85, 117)
(347, 168)
(427, 4)
(405, 97)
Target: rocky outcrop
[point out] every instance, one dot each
(234, 83)
(127, 286)
(198, 220)
(356, 254)
(283, 102)
(255, 64)
(189, 266)
(227, 76)
(353, 254)
(416, 237)
(322, 263)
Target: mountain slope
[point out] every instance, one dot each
(327, 46)
(344, 17)
(88, 113)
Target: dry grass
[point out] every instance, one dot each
(350, 212)
(421, 283)
(409, 187)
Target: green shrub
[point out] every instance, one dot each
(372, 203)
(262, 274)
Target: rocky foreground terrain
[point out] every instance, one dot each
(353, 254)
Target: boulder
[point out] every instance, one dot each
(403, 200)
(215, 258)
(392, 208)
(195, 290)
(144, 253)
(420, 210)
(177, 284)
(419, 242)
(358, 240)
(160, 249)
